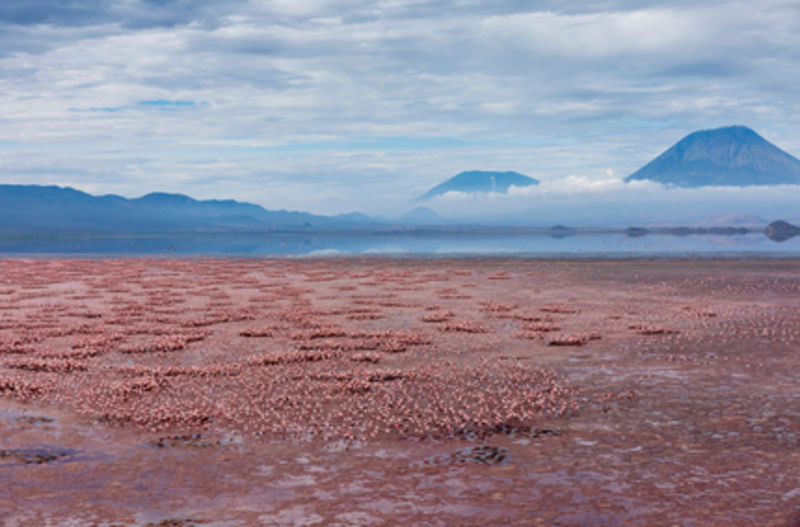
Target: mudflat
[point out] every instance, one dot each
(384, 391)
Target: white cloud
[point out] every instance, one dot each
(602, 35)
(324, 94)
(580, 200)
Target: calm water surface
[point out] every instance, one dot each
(541, 245)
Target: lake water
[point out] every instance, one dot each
(616, 245)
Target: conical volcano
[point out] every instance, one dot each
(731, 156)
(480, 181)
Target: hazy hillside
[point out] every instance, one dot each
(32, 208)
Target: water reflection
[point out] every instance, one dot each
(545, 244)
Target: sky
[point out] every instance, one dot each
(332, 106)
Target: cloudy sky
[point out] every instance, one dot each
(339, 105)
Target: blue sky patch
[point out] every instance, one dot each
(163, 103)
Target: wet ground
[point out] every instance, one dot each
(381, 391)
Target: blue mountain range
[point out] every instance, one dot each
(40, 209)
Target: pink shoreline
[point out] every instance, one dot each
(543, 390)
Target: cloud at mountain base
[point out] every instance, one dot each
(581, 200)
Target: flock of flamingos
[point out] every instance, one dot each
(280, 349)
(651, 376)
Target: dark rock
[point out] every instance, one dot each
(780, 231)
(561, 231)
(636, 232)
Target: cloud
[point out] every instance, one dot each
(312, 99)
(137, 14)
(579, 200)
(559, 189)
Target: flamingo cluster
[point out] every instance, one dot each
(278, 348)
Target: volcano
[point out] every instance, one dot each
(732, 156)
(480, 181)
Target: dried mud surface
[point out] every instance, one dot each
(386, 391)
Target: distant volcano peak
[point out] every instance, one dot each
(480, 181)
(728, 156)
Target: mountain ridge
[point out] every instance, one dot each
(37, 208)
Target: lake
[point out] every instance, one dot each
(584, 245)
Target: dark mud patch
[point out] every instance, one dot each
(35, 420)
(522, 431)
(16, 417)
(187, 522)
(193, 441)
(34, 456)
(480, 455)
